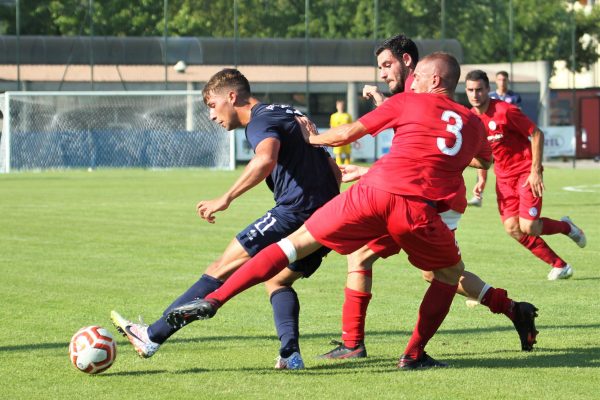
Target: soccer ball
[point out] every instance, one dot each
(92, 349)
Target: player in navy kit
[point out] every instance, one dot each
(502, 91)
(302, 179)
(435, 139)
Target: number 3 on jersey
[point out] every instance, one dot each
(455, 130)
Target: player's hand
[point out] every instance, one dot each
(350, 172)
(536, 182)
(207, 208)
(371, 92)
(478, 189)
(308, 127)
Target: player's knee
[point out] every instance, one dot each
(427, 275)
(532, 228)
(450, 275)
(513, 230)
(217, 270)
(273, 285)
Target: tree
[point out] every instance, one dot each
(542, 28)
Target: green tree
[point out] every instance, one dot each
(542, 29)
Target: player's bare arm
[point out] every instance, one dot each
(256, 171)
(371, 92)
(481, 163)
(339, 135)
(535, 179)
(481, 181)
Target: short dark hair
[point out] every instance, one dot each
(399, 45)
(503, 73)
(452, 65)
(478, 75)
(227, 78)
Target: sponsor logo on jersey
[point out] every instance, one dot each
(492, 125)
(495, 138)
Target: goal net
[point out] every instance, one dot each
(57, 130)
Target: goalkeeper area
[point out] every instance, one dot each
(67, 130)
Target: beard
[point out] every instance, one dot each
(400, 80)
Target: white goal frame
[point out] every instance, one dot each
(192, 98)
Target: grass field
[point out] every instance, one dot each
(74, 245)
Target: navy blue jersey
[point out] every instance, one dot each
(510, 97)
(302, 178)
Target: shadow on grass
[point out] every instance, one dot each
(588, 357)
(327, 336)
(132, 373)
(572, 357)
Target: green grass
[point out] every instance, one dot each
(74, 245)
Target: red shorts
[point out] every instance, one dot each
(363, 214)
(516, 200)
(385, 246)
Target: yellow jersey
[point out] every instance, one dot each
(338, 118)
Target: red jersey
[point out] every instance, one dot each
(434, 140)
(508, 132)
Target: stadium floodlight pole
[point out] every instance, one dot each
(235, 34)
(375, 33)
(165, 31)
(511, 33)
(91, 14)
(18, 27)
(573, 89)
(306, 55)
(443, 18)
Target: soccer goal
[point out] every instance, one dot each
(160, 129)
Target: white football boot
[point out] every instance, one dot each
(137, 334)
(576, 233)
(560, 273)
(292, 362)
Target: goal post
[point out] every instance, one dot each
(144, 129)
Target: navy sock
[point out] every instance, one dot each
(286, 312)
(160, 331)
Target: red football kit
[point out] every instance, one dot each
(508, 132)
(435, 139)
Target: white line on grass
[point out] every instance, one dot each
(583, 188)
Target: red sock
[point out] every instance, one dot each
(434, 308)
(541, 250)
(552, 227)
(259, 268)
(498, 302)
(354, 314)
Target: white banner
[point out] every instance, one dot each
(362, 149)
(384, 142)
(559, 141)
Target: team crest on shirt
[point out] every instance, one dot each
(492, 125)
(533, 211)
(251, 234)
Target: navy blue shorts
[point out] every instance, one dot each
(276, 224)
